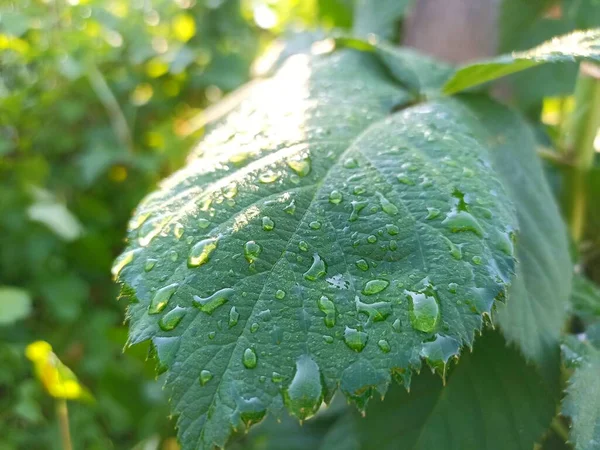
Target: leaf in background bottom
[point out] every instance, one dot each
(317, 241)
(15, 304)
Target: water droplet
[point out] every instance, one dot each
(150, 229)
(254, 327)
(205, 376)
(301, 167)
(290, 208)
(315, 225)
(178, 230)
(392, 230)
(317, 270)
(504, 242)
(357, 207)
(212, 302)
(335, 197)
(304, 395)
(171, 319)
(122, 261)
(267, 224)
(432, 213)
(328, 339)
(405, 179)
(372, 239)
(455, 250)
(328, 308)
(350, 163)
(280, 295)
(393, 245)
(384, 346)
(377, 311)
(201, 251)
(231, 191)
(476, 260)
(150, 263)
(362, 265)
(203, 223)
(161, 298)
(425, 311)
(234, 316)
(249, 359)
(303, 245)
(276, 377)
(459, 221)
(359, 190)
(268, 177)
(439, 351)
(397, 325)
(452, 287)
(137, 221)
(173, 255)
(375, 286)
(388, 207)
(355, 339)
(251, 251)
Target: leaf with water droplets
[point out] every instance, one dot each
(325, 261)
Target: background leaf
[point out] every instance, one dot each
(15, 304)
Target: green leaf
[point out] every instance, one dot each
(516, 19)
(379, 17)
(568, 48)
(583, 394)
(536, 309)
(15, 304)
(316, 240)
(585, 298)
(491, 400)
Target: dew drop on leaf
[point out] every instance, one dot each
(388, 207)
(276, 377)
(392, 230)
(315, 225)
(335, 197)
(234, 316)
(251, 251)
(304, 395)
(476, 260)
(201, 251)
(290, 208)
(303, 245)
(280, 295)
(384, 346)
(432, 213)
(357, 207)
(317, 270)
(161, 298)
(327, 307)
(459, 221)
(372, 239)
(373, 287)
(267, 223)
(268, 177)
(254, 327)
(203, 223)
(425, 311)
(362, 265)
(212, 302)
(249, 359)
(355, 339)
(149, 264)
(171, 319)
(205, 376)
(231, 191)
(178, 231)
(301, 167)
(350, 163)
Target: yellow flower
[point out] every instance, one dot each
(58, 379)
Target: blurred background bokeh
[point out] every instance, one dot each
(99, 100)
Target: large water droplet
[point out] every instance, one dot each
(355, 339)
(171, 319)
(201, 251)
(300, 166)
(304, 395)
(268, 177)
(234, 316)
(425, 311)
(362, 265)
(357, 207)
(328, 308)
(317, 270)
(388, 207)
(205, 376)
(161, 298)
(459, 221)
(122, 261)
(249, 359)
(267, 223)
(375, 286)
(251, 251)
(335, 197)
(212, 302)
(377, 312)
(303, 245)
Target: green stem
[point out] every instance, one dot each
(560, 429)
(63, 422)
(581, 132)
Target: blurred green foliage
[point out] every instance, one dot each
(96, 98)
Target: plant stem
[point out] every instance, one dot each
(560, 429)
(581, 132)
(63, 421)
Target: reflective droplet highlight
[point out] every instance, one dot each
(388, 207)
(205, 376)
(317, 270)
(327, 307)
(212, 302)
(301, 166)
(335, 197)
(304, 395)
(375, 286)
(201, 251)
(425, 311)
(267, 223)
(171, 319)
(355, 339)
(249, 359)
(251, 251)
(161, 298)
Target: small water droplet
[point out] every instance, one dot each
(375, 286)
(476, 260)
(432, 213)
(231, 191)
(268, 177)
(178, 231)
(267, 223)
(254, 327)
(249, 359)
(280, 295)
(205, 376)
(388, 207)
(234, 316)
(315, 225)
(276, 377)
(212, 302)
(173, 255)
(384, 346)
(290, 208)
(377, 311)
(328, 339)
(203, 223)
(201, 251)
(455, 250)
(393, 245)
(372, 239)
(251, 251)
(328, 308)
(355, 339)
(452, 287)
(150, 229)
(171, 319)
(362, 265)
(392, 230)
(300, 166)
(150, 263)
(359, 190)
(317, 270)
(357, 207)
(335, 197)
(350, 163)
(161, 298)
(304, 395)
(303, 245)
(397, 325)
(405, 179)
